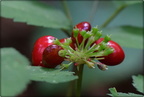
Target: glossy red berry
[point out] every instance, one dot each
(81, 26)
(51, 57)
(114, 58)
(39, 46)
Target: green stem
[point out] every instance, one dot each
(93, 11)
(72, 86)
(79, 81)
(71, 89)
(67, 12)
(116, 12)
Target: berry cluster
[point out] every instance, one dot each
(85, 46)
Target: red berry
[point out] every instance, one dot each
(64, 39)
(39, 47)
(81, 26)
(50, 56)
(114, 58)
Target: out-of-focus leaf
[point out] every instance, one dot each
(14, 77)
(126, 95)
(34, 13)
(114, 93)
(50, 75)
(127, 36)
(138, 83)
(126, 2)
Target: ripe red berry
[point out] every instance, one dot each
(38, 49)
(114, 58)
(50, 56)
(81, 26)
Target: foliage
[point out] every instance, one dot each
(39, 14)
(14, 77)
(17, 73)
(50, 75)
(126, 3)
(121, 33)
(137, 83)
(34, 13)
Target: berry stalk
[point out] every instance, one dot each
(79, 72)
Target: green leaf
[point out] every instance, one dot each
(126, 95)
(51, 75)
(34, 13)
(126, 2)
(114, 93)
(127, 36)
(138, 83)
(14, 77)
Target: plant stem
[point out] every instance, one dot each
(93, 10)
(72, 85)
(70, 92)
(79, 81)
(116, 12)
(67, 12)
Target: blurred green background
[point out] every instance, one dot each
(95, 81)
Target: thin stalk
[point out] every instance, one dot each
(93, 11)
(66, 10)
(72, 85)
(71, 89)
(116, 12)
(79, 81)
(67, 13)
